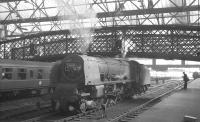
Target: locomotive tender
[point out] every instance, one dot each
(82, 81)
(23, 77)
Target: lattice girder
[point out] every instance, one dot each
(168, 42)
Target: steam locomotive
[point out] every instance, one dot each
(82, 81)
(24, 77)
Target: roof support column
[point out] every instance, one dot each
(154, 62)
(183, 62)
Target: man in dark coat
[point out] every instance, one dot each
(185, 79)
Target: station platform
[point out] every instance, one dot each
(181, 106)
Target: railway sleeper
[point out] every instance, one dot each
(131, 116)
(123, 120)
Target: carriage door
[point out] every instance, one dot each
(31, 76)
(1, 73)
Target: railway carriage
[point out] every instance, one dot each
(17, 76)
(83, 81)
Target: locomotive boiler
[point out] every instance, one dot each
(83, 81)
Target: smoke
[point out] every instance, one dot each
(127, 45)
(124, 48)
(82, 19)
(2, 35)
(181, 17)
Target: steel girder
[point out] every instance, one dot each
(4, 1)
(109, 13)
(160, 41)
(103, 15)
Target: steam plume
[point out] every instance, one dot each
(82, 19)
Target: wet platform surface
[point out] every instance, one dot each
(174, 107)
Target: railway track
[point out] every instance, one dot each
(134, 112)
(13, 108)
(120, 112)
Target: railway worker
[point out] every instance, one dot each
(185, 79)
(103, 108)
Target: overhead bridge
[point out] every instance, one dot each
(150, 41)
(164, 65)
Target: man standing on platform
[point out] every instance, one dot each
(185, 79)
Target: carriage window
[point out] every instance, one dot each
(21, 74)
(102, 77)
(31, 74)
(7, 73)
(40, 72)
